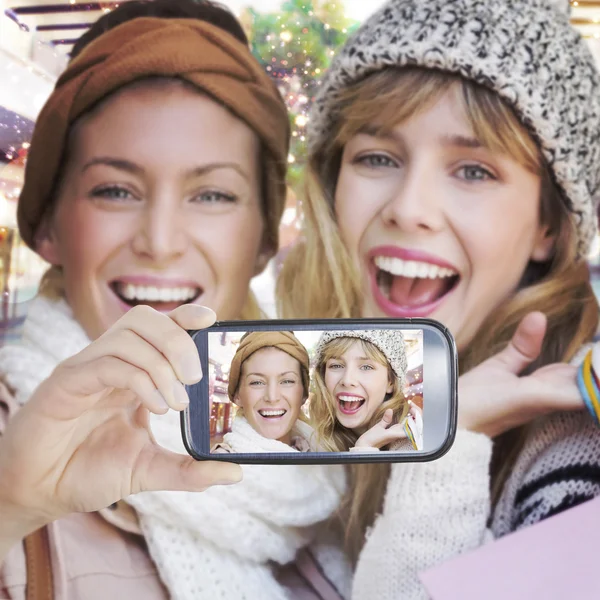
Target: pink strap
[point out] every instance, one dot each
(311, 571)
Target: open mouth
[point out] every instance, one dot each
(272, 413)
(411, 287)
(350, 404)
(161, 298)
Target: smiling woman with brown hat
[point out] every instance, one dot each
(269, 382)
(155, 176)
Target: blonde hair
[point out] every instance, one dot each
(320, 280)
(331, 434)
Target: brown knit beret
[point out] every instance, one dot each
(256, 340)
(189, 49)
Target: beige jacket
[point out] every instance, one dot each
(102, 555)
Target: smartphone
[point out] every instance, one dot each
(323, 391)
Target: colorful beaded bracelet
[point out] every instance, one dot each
(588, 387)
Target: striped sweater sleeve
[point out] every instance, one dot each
(558, 468)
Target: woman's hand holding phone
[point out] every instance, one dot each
(83, 442)
(493, 397)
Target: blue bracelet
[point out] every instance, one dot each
(584, 394)
(594, 385)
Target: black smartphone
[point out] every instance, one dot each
(323, 391)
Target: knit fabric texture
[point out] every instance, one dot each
(524, 50)
(558, 468)
(389, 341)
(227, 541)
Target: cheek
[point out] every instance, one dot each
(86, 239)
(250, 397)
(379, 383)
(495, 245)
(330, 380)
(481, 220)
(231, 243)
(296, 397)
(353, 213)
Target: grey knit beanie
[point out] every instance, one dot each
(525, 50)
(389, 341)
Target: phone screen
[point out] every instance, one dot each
(354, 391)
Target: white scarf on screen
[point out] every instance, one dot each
(219, 543)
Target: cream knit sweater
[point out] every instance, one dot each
(435, 511)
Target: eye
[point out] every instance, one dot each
(214, 197)
(288, 382)
(334, 365)
(376, 161)
(367, 367)
(256, 383)
(112, 192)
(475, 173)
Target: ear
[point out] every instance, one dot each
(390, 388)
(543, 245)
(46, 244)
(266, 253)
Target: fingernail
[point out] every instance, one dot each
(191, 368)
(180, 394)
(160, 400)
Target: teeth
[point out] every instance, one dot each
(272, 413)
(350, 399)
(146, 293)
(412, 268)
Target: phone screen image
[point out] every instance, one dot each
(308, 390)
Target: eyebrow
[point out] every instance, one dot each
(134, 169)
(279, 374)
(459, 141)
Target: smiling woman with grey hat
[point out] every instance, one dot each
(359, 403)
(454, 173)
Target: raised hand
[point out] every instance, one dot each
(83, 442)
(382, 433)
(493, 397)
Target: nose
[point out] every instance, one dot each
(272, 392)
(161, 235)
(349, 378)
(416, 205)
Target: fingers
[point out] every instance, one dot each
(387, 418)
(193, 316)
(525, 345)
(128, 346)
(165, 334)
(86, 384)
(168, 336)
(159, 469)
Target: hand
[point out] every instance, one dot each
(382, 433)
(493, 398)
(83, 441)
(415, 415)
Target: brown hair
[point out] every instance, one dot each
(319, 279)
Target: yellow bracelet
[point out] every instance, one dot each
(589, 386)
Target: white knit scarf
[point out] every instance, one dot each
(212, 545)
